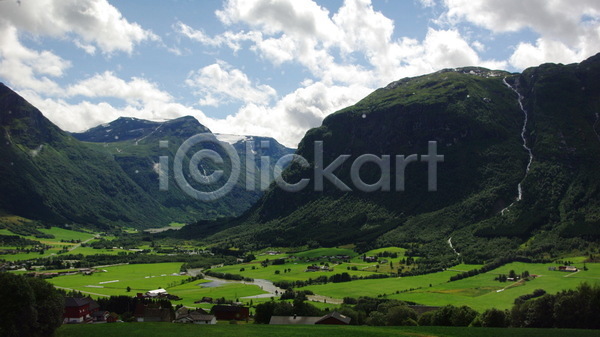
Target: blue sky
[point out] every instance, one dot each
(264, 67)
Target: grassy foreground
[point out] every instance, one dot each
(184, 330)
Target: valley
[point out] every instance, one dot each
(108, 213)
(376, 273)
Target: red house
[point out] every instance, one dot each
(230, 312)
(79, 310)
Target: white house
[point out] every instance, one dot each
(157, 292)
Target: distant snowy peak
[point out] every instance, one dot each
(232, 139)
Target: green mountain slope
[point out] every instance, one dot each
(50, 176)
(477, 122)
(134, 144)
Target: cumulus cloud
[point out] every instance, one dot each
(27, 68)
(343, 55)
(137, 91)
(569, 30)
(77, 117)
(220, 83)
(325, 44)
(290, 118)
(93, 21)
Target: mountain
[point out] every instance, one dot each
(48, 175)
(491, 199)
(111, 179)
(134, 145)
(129, 128)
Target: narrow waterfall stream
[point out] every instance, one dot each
(525, 146)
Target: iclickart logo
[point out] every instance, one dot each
(218, 186)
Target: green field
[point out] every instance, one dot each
(481, 292)
(219, 330)
(298, 266)
(298, 271)
(375, 287)
(144, 277)
(140, 277)
(193, 291)
(55, 243)
(325, 252)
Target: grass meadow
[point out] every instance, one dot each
(241, 330)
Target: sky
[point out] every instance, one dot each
(264, 67)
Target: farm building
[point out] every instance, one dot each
(277, 320)
(230, 312)
(199, 316)
(100, 316)
(152, 313)
(568, 268)
(157, 293)
(79, 309)
(334, 318)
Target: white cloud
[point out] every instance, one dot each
(88, 48)
(301, 32)
(76, 117)
(93, 21)
(27, 68)
(220, 83)
(290, 118)
(427, 3)
(569, 30)
(229, 39)
(527, 55)
(136, 92)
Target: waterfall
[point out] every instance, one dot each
(525, 146)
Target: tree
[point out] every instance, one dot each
(49, 304)
(494, 318)
(443, 316)
(263, 312)
(463, 316)
(512, 274)
(30, 307)
(401, 315)
(426, 318)
(128, 289)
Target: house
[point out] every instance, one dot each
(157, 293)
(100, 316)
(79, 309)
(112, 318)
(205, 300)
(152, 313)
(370, 259)
(334, 318)
(184, 315)
(278, 320)
(230, 312)
(567, 268)
(317, 268)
